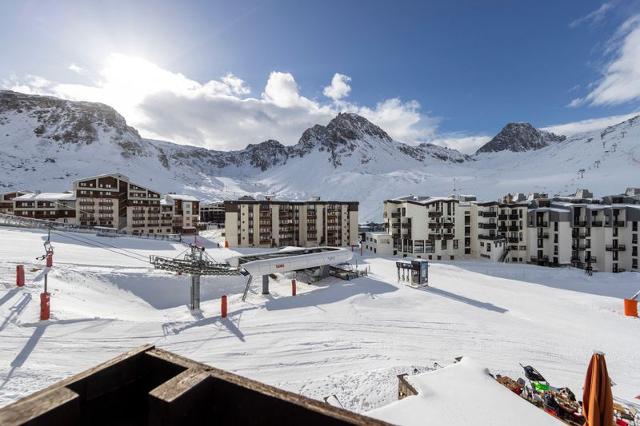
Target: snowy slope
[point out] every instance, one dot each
(348, 338)
(45, 143)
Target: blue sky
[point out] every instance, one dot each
(225, 74)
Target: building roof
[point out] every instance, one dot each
(118, 175)
(182, 197)
(47, 196)
(421, 199)
(462, 393)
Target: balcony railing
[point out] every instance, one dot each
(619, 247)
(487, 226)
(542, 224)
(579, 247)
(596, 223)
(514, 217)
(514, 228)
(618, 224)
(435, 214)
(503, 217)
(580, 223)
(489, 214)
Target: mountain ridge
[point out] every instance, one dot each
(46, 146)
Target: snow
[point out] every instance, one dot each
(463, 393)
(47, 196)
(348, 338)
(376, 169)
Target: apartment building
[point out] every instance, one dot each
(578, 230)
(275, 223)
(426, 226)
(212, 213)
(112, 200)
(185, 211)
(6, 201)
(52, 206)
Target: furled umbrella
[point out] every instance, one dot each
(597, 399)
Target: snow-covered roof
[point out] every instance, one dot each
(118, 175)
(182, 197)
(423, 199)
(47, 196)
(461, 394)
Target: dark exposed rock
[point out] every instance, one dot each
(519, 137)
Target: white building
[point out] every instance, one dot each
(378, 243)
(579, 230)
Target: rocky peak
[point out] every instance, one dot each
(519, 137)
(66, 122)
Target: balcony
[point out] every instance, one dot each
(618, 224)
(514, 228)
(488, 214)
(514, 216)
(397, 214)
(596, 223)
(449, 225)
(489, 237)
(619, 247)
(543, 235)
(578, 247)
(513, 240)
(502, 228)
(487, 226)
(577, 234)
(542, 224)
(503, 217)
(447, 236)
(580, 223)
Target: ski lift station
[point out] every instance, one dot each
(197, 263)
(415, 272)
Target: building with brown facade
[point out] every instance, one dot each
(6, 201)
(52, 206)
(113, 201)
(185, 211)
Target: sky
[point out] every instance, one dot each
(223, 74)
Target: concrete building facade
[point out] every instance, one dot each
(271, 223)
(579, 230)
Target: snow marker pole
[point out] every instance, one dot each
(20, 275)
(293, 287)
(223, 306)
(45, 306)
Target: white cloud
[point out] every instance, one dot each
(620, 82)
(339, 87)
(222, 113)
(589, 125)
(467, 144)
(76, 68)
(593, 17)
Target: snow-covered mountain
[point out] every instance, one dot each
(519, 137)
(46, 143)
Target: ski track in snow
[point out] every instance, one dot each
(348, 338)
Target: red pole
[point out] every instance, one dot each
(45, 306)
(49, 260)
(293, 287)
(223, 306)
(20, 275)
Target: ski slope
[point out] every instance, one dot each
(348, 338)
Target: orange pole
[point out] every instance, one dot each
(631, 307)
(20, 275)
(49, 260)
(223, 306)
(45, 306)
(293, 287)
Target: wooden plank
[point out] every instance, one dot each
(55, 406)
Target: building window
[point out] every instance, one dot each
(555, 226)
